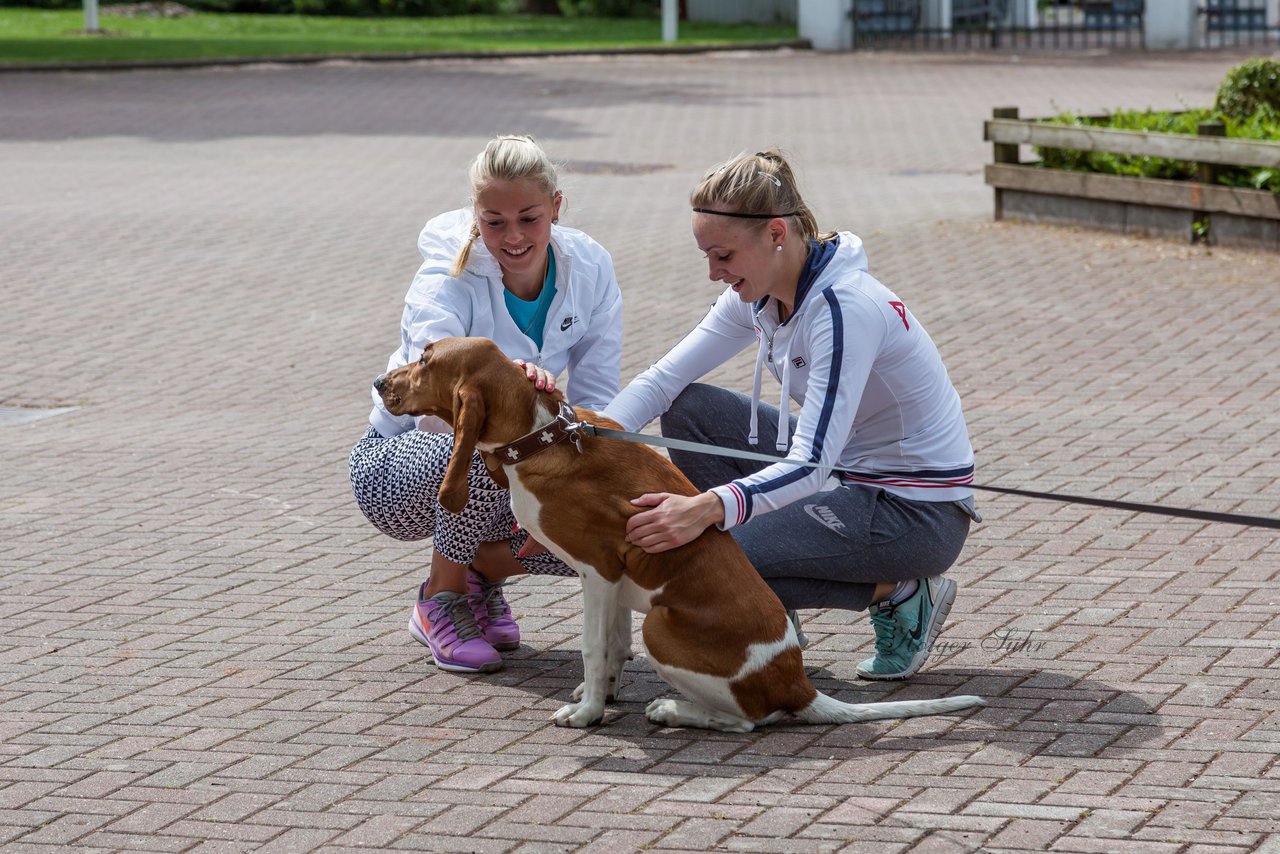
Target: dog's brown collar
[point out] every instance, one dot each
(563, 429)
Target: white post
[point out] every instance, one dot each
(827, 24)
(91, 16)
(937, 16)
(670, 19)
(1026, 15)
(1171, 25)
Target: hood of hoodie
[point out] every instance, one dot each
(444, 236)
(843, 255)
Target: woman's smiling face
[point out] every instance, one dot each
(515, 224)
(740, 256)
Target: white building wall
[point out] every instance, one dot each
(826, 23)
(1171, 25)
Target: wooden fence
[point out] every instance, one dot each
(1191, 210)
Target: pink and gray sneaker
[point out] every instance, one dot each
(445, 625)
(492, 613)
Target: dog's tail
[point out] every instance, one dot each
(828, 710)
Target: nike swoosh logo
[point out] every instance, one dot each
(918, 631)
(824, 517)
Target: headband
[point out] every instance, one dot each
(746, 215)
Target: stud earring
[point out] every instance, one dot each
(778, 248)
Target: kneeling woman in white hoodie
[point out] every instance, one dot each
(873, 395)
(503, 269)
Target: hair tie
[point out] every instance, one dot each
(746, 215)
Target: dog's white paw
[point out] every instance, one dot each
(663, 711)
(579, 715)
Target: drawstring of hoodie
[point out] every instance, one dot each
(753, 432)
(784, 420)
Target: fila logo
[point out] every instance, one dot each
(825, 516)
(902, 312)
(566, 323)
(799, 361)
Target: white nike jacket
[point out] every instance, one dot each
(873, 392)
(583, 334)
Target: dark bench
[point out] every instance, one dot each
(886, 16)
(1233, 15)
(1112, 14)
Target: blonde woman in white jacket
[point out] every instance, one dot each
(503, 269)
(873, 395)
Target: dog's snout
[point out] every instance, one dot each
(380, 382)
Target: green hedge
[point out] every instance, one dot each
(398, 8)
(1265, 124)
(1248, 104)
(1250, 88)
(356, 8)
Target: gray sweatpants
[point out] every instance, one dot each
(828, 550)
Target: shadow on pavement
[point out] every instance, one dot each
(413, 99)
(1029, 711)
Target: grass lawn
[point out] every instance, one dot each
(34, 36)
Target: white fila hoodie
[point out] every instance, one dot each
(873, 392)
(583, 334)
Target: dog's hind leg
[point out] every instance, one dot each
(599, 612)
(666, 711)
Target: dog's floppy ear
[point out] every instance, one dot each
(468, 419)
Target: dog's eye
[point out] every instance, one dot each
(422, 360)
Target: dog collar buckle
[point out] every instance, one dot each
(572, 429)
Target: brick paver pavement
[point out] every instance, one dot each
(203, 644)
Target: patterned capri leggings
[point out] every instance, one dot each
(396, 482)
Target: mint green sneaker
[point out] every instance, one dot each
(905, 632)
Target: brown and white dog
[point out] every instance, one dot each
(714, 630)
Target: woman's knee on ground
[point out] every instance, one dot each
(687, 415)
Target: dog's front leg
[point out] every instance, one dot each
(619, 649)
(618, 656)
(599, 611)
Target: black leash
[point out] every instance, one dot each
(1132, 507)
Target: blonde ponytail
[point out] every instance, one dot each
(464, 255)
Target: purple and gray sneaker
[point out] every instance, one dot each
(492, 613)
(445, 625)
